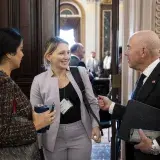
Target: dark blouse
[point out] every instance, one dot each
(74, 113)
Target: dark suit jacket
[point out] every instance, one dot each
(148, 94)
(74, 61)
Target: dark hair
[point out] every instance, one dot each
(10, 39)
(75, 47)
(51, 46)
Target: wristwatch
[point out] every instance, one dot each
(154, 150)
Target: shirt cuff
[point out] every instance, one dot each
(157, 147)
(111, 107)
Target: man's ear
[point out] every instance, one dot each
(144, 52)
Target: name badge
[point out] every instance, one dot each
(65, 105)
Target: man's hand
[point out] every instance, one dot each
(104, 102)
(145, 145)
(96, 135)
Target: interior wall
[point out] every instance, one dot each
(37, 20)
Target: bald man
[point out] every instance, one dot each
(143, 55)
(77, 54)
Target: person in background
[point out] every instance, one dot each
(107, 64)
(93, 64)
(69, 138)
(17, 126)
(77, 54)
(143, 56)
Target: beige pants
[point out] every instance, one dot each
(72, 143)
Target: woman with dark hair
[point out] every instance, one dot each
(18, 137)
(69, 137)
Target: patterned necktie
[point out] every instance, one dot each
(138, 87)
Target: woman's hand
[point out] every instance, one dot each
(44, 119)
(96, 134)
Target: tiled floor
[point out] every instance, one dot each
(101, 151)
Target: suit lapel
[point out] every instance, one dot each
(75, 59)
(149, 84)
(52, 90)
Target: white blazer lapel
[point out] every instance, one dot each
(52, 91)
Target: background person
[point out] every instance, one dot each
(77, 54)
(93, 64)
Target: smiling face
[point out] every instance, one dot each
(15, 60)
(60, 57)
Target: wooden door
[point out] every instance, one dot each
(37, 20)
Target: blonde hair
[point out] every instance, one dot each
(50, 46)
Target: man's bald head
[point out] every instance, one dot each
(143, 49)
(78, 50)
(147, 39)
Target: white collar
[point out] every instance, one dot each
(150, 68)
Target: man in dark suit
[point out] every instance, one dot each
(77, 54)
(143, 55)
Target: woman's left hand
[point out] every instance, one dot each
(96, 134)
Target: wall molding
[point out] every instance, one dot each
(157, 17)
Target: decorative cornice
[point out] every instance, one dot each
(157, 18)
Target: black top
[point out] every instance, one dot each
(74, 113)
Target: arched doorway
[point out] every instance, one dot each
(72, 17)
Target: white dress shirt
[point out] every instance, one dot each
(107, 62)
(93, 64)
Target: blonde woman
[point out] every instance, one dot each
(69, 138)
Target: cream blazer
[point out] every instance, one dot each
(45, 90)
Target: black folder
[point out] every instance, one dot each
(139, 116)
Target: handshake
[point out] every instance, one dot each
(104, 102)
